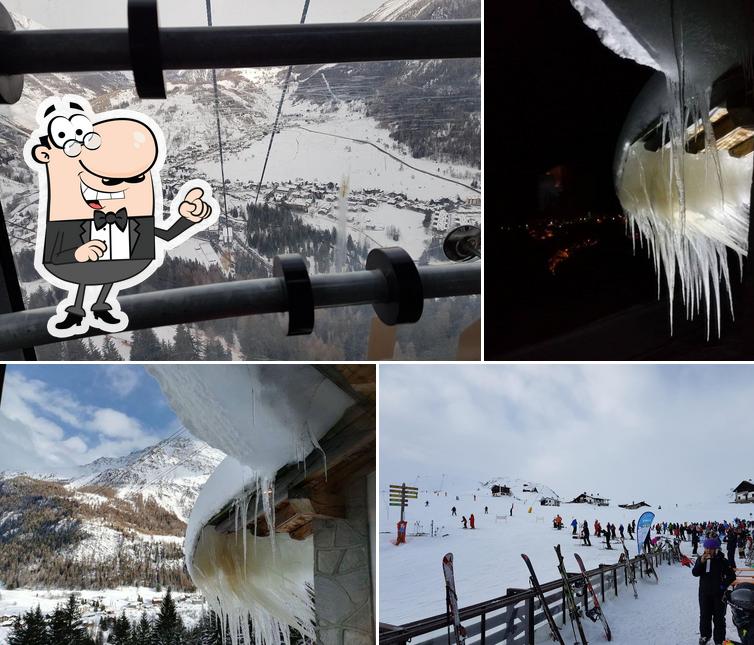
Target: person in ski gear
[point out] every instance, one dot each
(463, 519)
(426, 503)
(741, 601)
(612, 531)
(574, 525)
(585, 534)
(453, 511)
(607, 539)
(648, 543)
(694, 540)
(597, 529)
(511, 514)
(471, 520)
(715, 576)
(731, 544)
(485, 510)
(620, 530)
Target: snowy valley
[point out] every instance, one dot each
(364, 155)
(110, 531)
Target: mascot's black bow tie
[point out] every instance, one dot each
(119, 218)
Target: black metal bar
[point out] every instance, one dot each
(11, 297)
(530, 621)
(482, 634)
(243, 298)
(89, 50)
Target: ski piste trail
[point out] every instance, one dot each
(487, 560)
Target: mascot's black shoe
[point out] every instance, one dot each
(106, 317)
(71, 320)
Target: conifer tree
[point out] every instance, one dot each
(145, 346)
(110, 351)
(65, 625)
(121, 634)
(142, 632)
(168, 628)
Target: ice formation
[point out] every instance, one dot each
(690, 207)
(269, 582)
(263, 417)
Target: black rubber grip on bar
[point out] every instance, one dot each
(144, 45)
(406, 294)
(298, 290)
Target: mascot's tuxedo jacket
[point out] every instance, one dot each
(62, 238)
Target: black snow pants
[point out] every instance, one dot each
(712, 609)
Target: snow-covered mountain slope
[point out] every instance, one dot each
(113, 521)
(487, 559)
(171, 472)
(521, 489)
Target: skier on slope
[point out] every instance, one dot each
(453, 511)
(485, 510)
(620, 530)
(715, 576)
(471, 520)
(607, 539)
(597, 528)
(694, 539)
(585, 534)
(574, 525)
(463, 519)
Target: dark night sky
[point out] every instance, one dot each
(563, 97)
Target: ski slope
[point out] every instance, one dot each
(488, 559)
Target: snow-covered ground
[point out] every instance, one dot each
(17, 601)
(321, 153)
(487, 560)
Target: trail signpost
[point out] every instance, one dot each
(399, 496)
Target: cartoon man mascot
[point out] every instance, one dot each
(101, 227)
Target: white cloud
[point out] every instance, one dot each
(121, 379)
(627, 431)
(43, 428)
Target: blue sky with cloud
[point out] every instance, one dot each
(662, 432)
(53, 417)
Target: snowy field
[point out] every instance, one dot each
(17, 601)
(320, 153)
(487, 559)
(414, 238)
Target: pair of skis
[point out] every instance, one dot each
(451, 600)
(629, 567)
(569, 600)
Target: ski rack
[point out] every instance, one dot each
(509, 618)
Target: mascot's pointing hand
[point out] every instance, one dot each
(193, 208)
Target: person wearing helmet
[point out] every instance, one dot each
(741, 601)
(715, 576)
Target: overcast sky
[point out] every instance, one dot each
(187, 13)
(667, 433)
(57, 416)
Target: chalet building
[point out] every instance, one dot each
(634, 505)
(549, 501)
(498, 491)
(744, 492)
(530, 489)
(595, 500)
